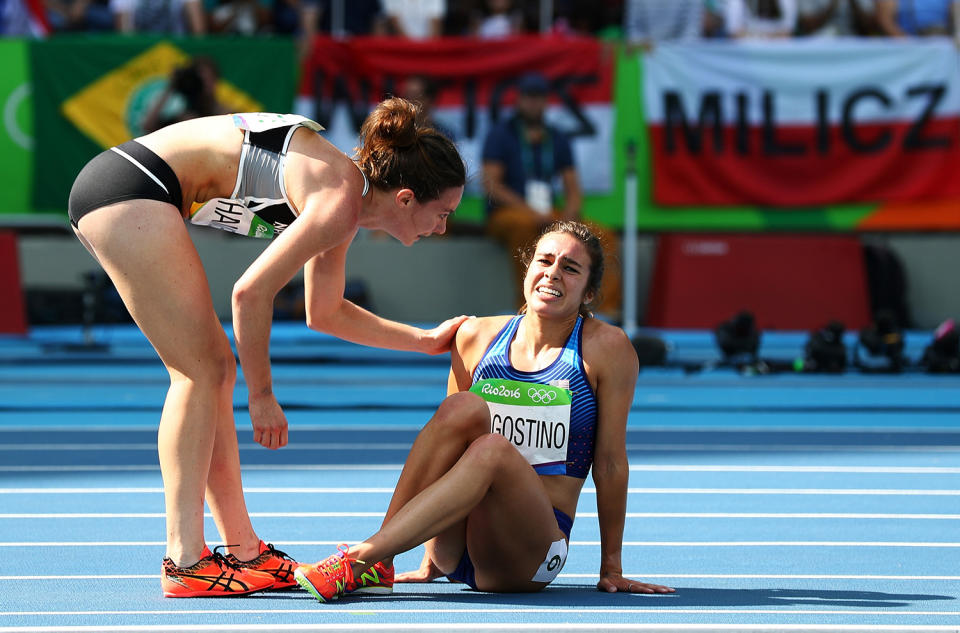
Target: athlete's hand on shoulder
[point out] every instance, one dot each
(428, 572)
(269, 421)
(439, 339)
(613, 583)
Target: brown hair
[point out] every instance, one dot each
(397, 150)
(594, 247)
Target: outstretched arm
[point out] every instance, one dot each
(328, 311)
(616, 380)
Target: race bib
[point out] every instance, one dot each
(263, 121)
(232, 216)
(534, 417)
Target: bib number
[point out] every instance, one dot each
(534, 417)
(231, 216)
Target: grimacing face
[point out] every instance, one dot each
(557, 277)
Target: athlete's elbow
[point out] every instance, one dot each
(243, 295)
(321, 316)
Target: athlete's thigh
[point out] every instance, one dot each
(511, 529)
(446, 548)
(145, 248)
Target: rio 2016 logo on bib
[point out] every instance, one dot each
(533, 416)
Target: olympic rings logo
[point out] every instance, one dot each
(541, 395)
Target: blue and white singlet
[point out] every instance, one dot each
(566, 369)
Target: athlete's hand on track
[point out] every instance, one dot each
(439, 339)
(269, 422)
(612, 583)
(427, 572)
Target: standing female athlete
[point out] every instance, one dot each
(492, 481)
(263, 175)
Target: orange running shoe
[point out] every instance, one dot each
(328, 579)
(377, 579)
(212, 576)
(271, 561)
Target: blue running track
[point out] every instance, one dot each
(772, 503)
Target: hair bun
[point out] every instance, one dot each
(398, 123)
(396, 150)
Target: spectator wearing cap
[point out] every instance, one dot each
(525, 158)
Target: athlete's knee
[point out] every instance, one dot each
(464, 414)
(215, 369)
(489, 451)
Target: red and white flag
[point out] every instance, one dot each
(803, 122)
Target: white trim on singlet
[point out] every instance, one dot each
(140, 166)
(244, 150)
(366, 182)
(283, 169)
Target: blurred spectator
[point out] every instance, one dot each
(460, 17)
(523, 156)
(713, 18)
(360, 17)
(414, 19)
(649, 21)
(423, 91)
(23, 18)
(170, 17)
(305, 18)
(191, 92)
(586, 17)
(240, 17)
(498, 18)
(761, 18)
(830, 18)
(79, 15)
(901, 18)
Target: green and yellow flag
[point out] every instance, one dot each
(91, 93)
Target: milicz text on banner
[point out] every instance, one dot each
(851, 121)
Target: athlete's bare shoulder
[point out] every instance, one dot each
(475, 336)
(605, 345)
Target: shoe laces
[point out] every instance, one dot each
(272, 551)
(330, 564)
(229, 561)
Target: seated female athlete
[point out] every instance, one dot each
(492, 481)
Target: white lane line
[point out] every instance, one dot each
(792, 448)
(589, 515)
(694, 468)
(156, 468)
(372, 611)
(572, 543)
(161, 515)
(146, 446)
(638, 574)
(393, 446)
(637, 491)
(722, 468)
(500, 627)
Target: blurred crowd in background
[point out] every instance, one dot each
(639, 22)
